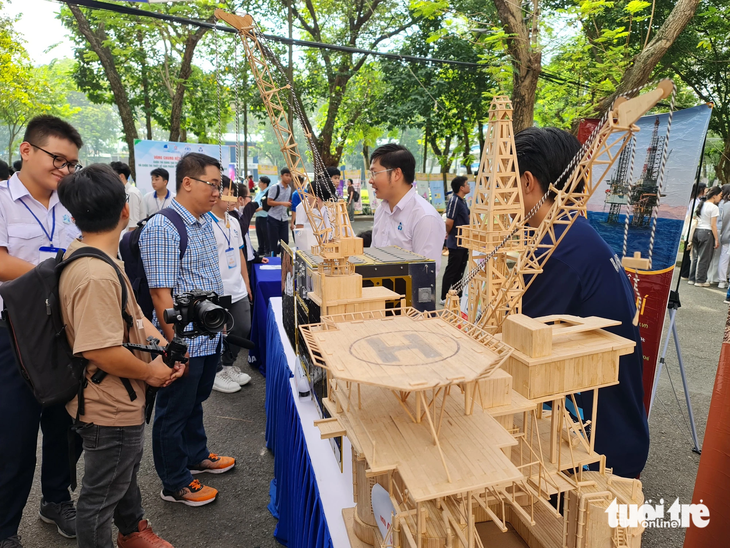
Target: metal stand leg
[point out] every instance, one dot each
(672, 332)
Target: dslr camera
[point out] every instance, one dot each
(205, 310)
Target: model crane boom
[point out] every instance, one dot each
(336, 241)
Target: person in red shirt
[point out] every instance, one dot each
(250, 182)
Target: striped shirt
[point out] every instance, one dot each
(159, 245)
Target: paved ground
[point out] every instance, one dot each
(235, 426)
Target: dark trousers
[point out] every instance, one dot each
(240, 326)
(178, 434)
(703, 244)
(21, 414)
(458, 259)
(262, 235)
(109, 488)
(278, 230)
(686, 262)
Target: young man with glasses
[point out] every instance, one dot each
(403, 218)
(179, 442)
(34, 226)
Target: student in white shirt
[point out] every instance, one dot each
(303, 233)
(34, 226)
(404, 218)
(134, 196)
(234, 274)
(705, 239)
(160, 197)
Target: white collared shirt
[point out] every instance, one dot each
(229, 237)
(20, 233)
(414, 225)
(153, 203)
(136, 204)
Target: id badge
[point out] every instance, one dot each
(231, 257)
(49, 252)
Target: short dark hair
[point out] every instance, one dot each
(457, 182)
(323, 188)
(392, 156)
(122, 169)
(160, 172)
(241, 190)
(350, 182)
(546, 152)
(265, 180)
(94, 198)
(193, 164)
(40, 128)
(367, 238)
(18, 165)
(4, 170)
(285, 170)
(332, 171)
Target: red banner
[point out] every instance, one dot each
(654, 287)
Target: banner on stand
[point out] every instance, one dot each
(436, 185)
(149, 155)
(422, 186)
(632, 190)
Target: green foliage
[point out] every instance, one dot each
(27, 91)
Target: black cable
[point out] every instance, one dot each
(94, 4)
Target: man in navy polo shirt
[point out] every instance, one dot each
(584, 277)
(457, 214)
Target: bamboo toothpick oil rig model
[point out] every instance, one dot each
(447, 414)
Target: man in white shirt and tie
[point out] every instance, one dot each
(160, 197)
(404, 218)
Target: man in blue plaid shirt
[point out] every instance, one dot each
(179, 442)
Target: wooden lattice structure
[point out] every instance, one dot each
(338, 288)
(495, 214)
(530, 247)
(449, 416)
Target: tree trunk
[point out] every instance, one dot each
(145, 87)
(121, 99)
(522, 47)
(467, 148)
(365, 157)
(337, 94)
(640, 71)
(245, 140)
(186, 70)
(722, 169)
(425, 148)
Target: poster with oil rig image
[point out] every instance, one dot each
(632, 187)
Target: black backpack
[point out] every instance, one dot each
(355, 196)
(265, 198)
(32, 312)
(129, 251)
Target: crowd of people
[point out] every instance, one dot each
(199, 239)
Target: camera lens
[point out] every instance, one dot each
(210, 316)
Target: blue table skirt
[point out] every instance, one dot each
(265, 284)
(295, 498)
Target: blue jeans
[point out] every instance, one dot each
(21, 415)
(178, 434)
(111, 462)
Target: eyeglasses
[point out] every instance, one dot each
(374, 174)
(59, 162)
(213, 186)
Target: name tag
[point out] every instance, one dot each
(49, 252)
(231, 257)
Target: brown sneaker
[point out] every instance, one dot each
(144, 538)
(195, 494)
(214, 464)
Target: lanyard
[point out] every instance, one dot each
(53, 228)
(159, 207)
(226, 236)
